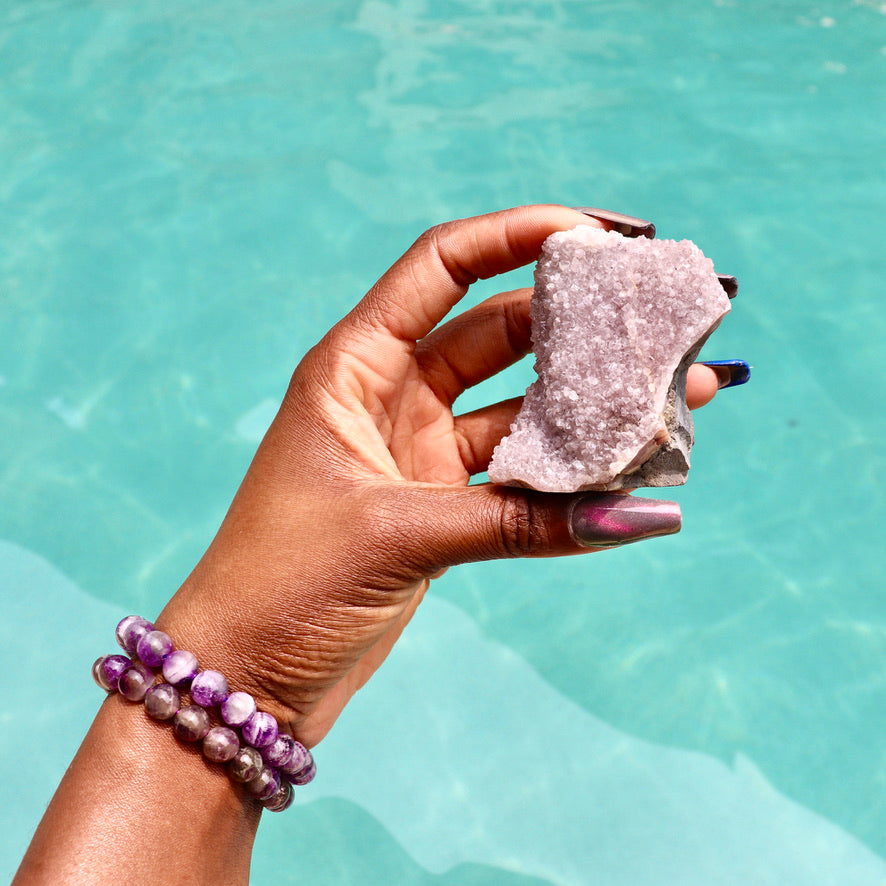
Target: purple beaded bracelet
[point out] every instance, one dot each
(266, 761)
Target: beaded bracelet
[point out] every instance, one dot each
(256, 753)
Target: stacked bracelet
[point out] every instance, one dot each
(250, 744)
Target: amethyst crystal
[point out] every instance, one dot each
(237, 708)
(616, 323)
(162, 702)
(209, 688)
(130, 630)
(153, 647)
(220, 744)
(180, 667)
(260, 730)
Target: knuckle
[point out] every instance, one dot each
(523, 531)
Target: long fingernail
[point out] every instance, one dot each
(729, 284)
(626, 225)
(607, 521)
(730, 372)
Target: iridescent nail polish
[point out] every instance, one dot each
(626, 225)
(607, 520)
(730, 373)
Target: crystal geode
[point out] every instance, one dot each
(616, 323)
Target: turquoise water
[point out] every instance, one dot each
(191, 193)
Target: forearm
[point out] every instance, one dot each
(136, 804)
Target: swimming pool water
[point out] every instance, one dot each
(192, 193)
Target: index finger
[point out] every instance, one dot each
(421, 288)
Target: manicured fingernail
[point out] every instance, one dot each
(730, 372)
(607, 521)
(626, 225)
(729, 284)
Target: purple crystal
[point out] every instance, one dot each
(107, 670)
(279, 752)
(135, 681)
(260, 730)
(245, 764)
(616, 322)
(154, 647)
(130, 630)
(237, 708)
(282, 799)
(264, 785)
(180, 667)
(162, 702)
(209, 688)
(300, 758)
(307, 774)
(191, 723)
(220, 744)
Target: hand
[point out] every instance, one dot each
(358, 494)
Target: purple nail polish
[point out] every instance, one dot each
(626, 225)
(607, 521)
(730, 373)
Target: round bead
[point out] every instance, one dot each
(130, 630)
(191, 723)
(209, 688)
(282, 799)
(135, 681)
(245, 764)
(153, 647)
(237, 708)
(264, 785)
(260, 730)
(162, 702)
(107, 669)
(307, 774)
(300, 758)
(180, 667)
(220, 744)
(279, 752)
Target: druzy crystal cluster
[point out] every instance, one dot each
(616, 323)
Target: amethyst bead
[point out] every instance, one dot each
(282, 799)
(279, 752)
(162, 702)
(245, 764)
(180, 667)
(130, 630)
(264, 785)
(154, 647)
(191, 723)
(306, 775)
(220, 744)
(135, 681)
(209, 688)
(300, 759)
(237, 708)
(260, 730)
(107, 670)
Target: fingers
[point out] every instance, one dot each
(423, 286)
(701, 385)
(477, 344)
(487, 522)
(480, 431)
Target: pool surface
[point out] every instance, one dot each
(191, 193)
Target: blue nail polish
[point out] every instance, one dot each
(730, 372)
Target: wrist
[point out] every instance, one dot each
(132, 798)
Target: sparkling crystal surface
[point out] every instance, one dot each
(616, 323)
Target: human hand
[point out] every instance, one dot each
(359, 495)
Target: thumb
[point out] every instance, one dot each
(488, 522)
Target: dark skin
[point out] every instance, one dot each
(356, 499)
